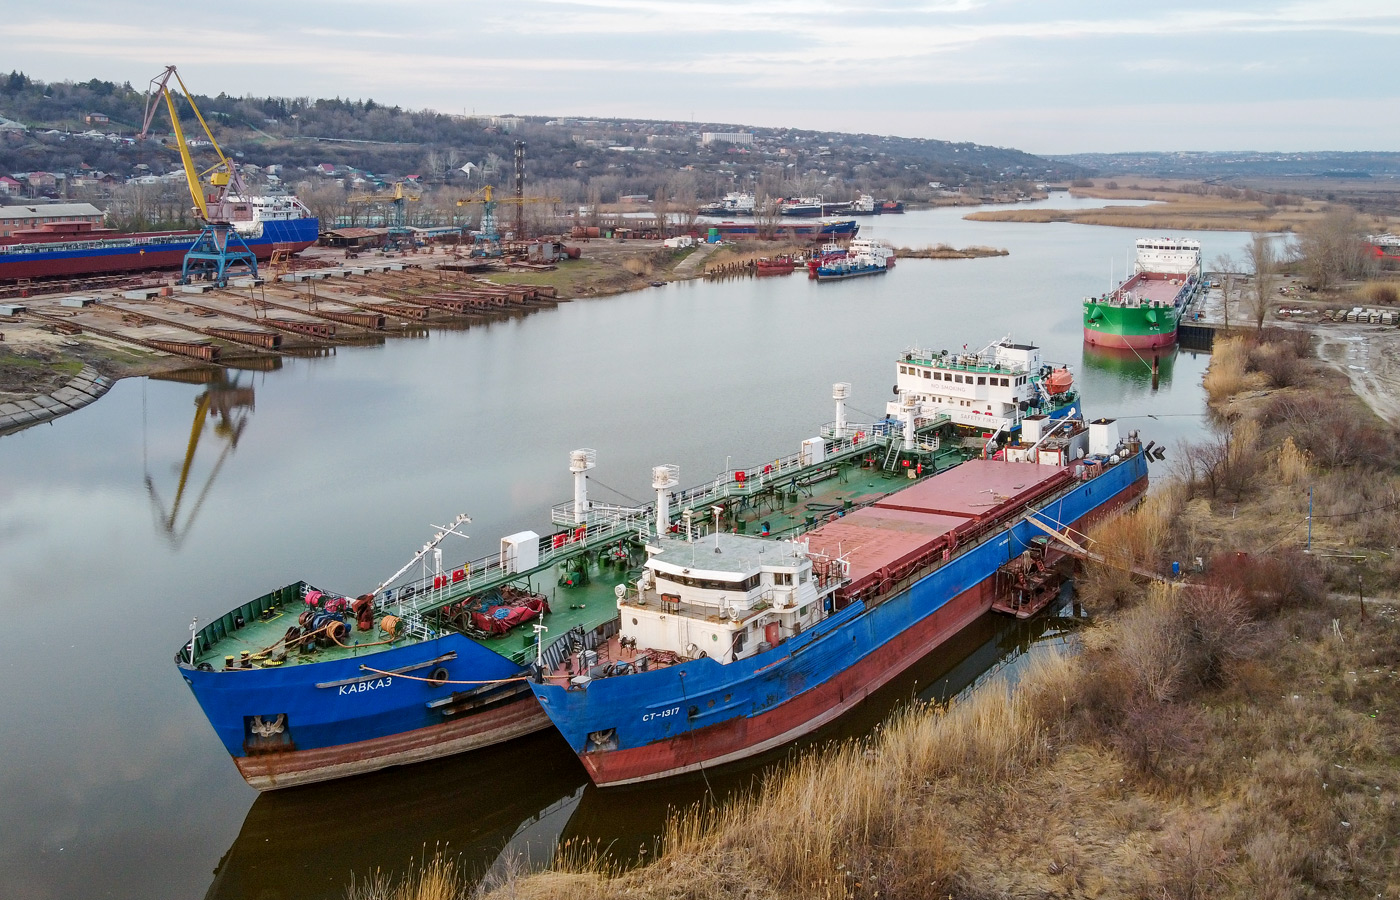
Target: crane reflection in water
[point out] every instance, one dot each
(223, 407)
(508, 807)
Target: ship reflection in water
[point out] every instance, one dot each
(1126, 366)
(225, 402)
(510, 805)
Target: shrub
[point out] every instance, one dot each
(1283, 578)
(1334, 433)
(1292, 463)
(1226, 375)
(1380, 292)
(1278, 363)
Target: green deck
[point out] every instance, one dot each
(788, 504)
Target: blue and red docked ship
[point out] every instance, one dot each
(71, 249)
(729, 645)
(827, 228)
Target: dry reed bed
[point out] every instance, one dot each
(1236, 738)
(1175, 209)
(944, 251)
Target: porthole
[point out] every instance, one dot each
(634, 620)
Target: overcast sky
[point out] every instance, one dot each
(1039, 75)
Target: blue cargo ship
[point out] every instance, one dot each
(730, 645)
(70, 249)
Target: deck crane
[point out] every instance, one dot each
(219, 246)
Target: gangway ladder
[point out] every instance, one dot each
(892, 454)
(1073, 548)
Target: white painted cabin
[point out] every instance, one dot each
(725, 596)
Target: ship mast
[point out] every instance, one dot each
(449, 528)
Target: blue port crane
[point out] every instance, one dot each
(219, 194)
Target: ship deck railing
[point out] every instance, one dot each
(430, 592)
(96, 244)
(850, 439)
(606, 524)
(771, 598)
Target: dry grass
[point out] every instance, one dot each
(639, 266)
(944, 251)
(439, 877)
(1383, 293)
(1178, 206)
(1158, 763)
(1293, 465)
(1227, 375)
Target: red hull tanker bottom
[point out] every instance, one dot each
(511, 720)
(1129, 341)
(69, 266)
(744, 737)
(798, 716)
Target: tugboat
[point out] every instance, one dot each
(775, 265)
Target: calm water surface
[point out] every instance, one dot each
(112, 783)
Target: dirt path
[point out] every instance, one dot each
(1370, 357)
(690, 266)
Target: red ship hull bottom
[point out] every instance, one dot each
(1129, 341)
(744, 737)
(135, 261)
(511, 720)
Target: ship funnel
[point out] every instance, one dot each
(663, 478)
(580, 461)
(839, 392)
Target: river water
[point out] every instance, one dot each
(332, 469)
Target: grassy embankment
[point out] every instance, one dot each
(1178, 206)
(604, 269)
(943, 251)
(1236, 738)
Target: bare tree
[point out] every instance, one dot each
(1226, 267)
(1333, 248)
(595, 199)
(1262, 257)
(660, 207)
(683, 192)
(766, 215)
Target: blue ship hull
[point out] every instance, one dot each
(134, 252)
(313, 721)
(701, 713)
(838, 271)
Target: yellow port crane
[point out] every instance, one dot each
(398, 198)
(489, 241)
(219, 246)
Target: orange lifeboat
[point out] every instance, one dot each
(1060, 381)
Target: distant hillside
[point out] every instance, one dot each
(608, 157)
(1238, 164)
